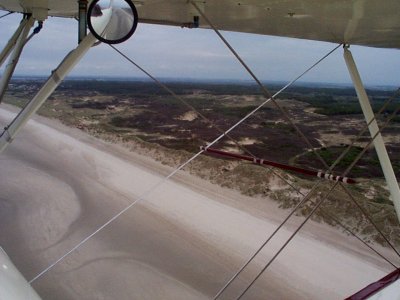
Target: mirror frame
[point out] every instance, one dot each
(123, 39)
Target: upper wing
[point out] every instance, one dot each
(373, 23)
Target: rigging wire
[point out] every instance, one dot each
(357, 158)
(315, 207)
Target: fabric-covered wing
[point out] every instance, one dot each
(373, 23)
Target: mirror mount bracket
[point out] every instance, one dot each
(82, 28)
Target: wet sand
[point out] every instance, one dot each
(184, 241)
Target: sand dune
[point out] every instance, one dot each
(183, 242)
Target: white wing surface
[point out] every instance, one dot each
(373, 23)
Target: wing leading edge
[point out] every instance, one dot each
(360, 22)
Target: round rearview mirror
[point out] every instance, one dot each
(112, 21)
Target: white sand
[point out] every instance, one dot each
(183, 242)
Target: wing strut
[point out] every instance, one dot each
(374, 131)
(15, 45)
(11, 43)
(51, 84)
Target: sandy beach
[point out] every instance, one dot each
(183, 241)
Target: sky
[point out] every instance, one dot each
(199, 54)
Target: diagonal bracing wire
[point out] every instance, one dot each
(163, 86)
(213, 124)
(318, 204)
